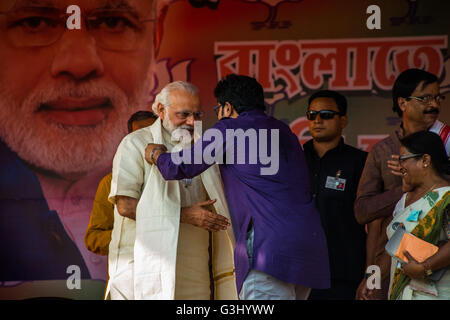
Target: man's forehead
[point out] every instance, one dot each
(182, 99)
(137, 5)
(426, 88)
(323, 103)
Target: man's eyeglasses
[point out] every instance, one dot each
(217, 108)
(112, 29)
(182, 115)
(324, 114)
(428, 99)
(409, 156)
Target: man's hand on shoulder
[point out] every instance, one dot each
(153, 151)
(394, 165)
(199, 216)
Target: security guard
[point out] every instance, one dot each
(335, 169)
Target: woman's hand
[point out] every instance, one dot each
(413, 268)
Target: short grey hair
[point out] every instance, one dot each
(164, 96)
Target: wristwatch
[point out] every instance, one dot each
(153, 153)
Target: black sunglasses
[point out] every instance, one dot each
(324, 114)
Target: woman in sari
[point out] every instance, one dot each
(423, 211)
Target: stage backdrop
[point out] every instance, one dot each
(65, 100)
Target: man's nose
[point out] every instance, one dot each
(434, 103)
(318, 119)
(76, 56)
(190, 120)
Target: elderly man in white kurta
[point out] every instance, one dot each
(160, 245)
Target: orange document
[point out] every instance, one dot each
(418, 248)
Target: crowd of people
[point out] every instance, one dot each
(313, 229)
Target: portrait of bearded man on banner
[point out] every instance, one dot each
(65, 98)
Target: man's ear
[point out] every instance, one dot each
(227, 110)
(401, 103)
(161, 110)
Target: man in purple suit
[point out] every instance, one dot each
(281, 250)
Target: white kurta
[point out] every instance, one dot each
(152, 264)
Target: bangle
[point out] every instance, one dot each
(426, 269)
(153, 153)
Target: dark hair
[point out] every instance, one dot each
(427, 142)
(138, 116)
(407, 82)
(242, 92)
(340, 100)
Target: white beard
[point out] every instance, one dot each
(61, 148)
(178, 133)
(167, 124)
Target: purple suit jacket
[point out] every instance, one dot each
(289, 241)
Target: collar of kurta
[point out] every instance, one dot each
(252, 112)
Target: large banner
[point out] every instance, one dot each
(297, 47)
(67, 90)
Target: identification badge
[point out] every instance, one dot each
(414, 216)
(335, 183)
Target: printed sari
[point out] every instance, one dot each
(431, 226)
